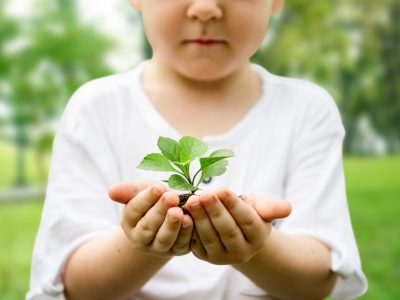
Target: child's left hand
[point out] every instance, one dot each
(227, 229)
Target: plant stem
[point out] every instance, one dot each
(195, 175)
(187, 172)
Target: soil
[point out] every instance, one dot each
(183, 198)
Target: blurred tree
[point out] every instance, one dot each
(60, 53)
(315, 41)
(387, 106)
(349, 47)
(373, 82)
(8, 32)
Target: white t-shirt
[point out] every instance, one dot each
(288, 145)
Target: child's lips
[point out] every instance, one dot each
(205, 42)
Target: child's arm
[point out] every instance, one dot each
(229, 231)
(292, 267)
(119, 264)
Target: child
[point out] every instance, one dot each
(287, 138)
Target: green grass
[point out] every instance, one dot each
(18, 227)
(373, 186)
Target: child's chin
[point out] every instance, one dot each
(206, 74)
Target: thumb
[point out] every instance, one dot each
(123, 192)
(271, 208)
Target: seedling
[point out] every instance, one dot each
(176, 157)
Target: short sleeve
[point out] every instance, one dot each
(315, 186)
(76, 207)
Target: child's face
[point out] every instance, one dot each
(205, 39)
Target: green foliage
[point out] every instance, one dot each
(57, 54)
(169, 148)
(191, 148)
(156, 162)
(180, 183)
(351, 48)
(213, 169)
(176, 157)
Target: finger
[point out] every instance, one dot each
(247, 200)
(182, 243)
(150, 223)
(229, 233)
(197, 247)
(169, 230)
(271, 208)
(136, 209)
(204, 228)
(249, 222)
(123, 192)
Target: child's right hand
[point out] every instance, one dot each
(152, 220)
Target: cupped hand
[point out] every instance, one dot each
(151, 219)
(229, 230)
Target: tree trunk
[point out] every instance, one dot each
(21, 143)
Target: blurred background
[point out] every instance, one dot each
(351, 47)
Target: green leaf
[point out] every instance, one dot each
(191, 148)
(177, 182)
(184, 167)
(156, 162)
(222, 153)
(215, 156)
(169, 148)
(206, 161)
(214, 169)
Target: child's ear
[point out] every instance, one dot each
(136, 4)
(277, 6)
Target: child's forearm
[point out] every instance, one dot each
(292, 267)
(108, 268)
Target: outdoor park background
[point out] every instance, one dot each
(351, 47)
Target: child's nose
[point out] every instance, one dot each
(204, 10)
